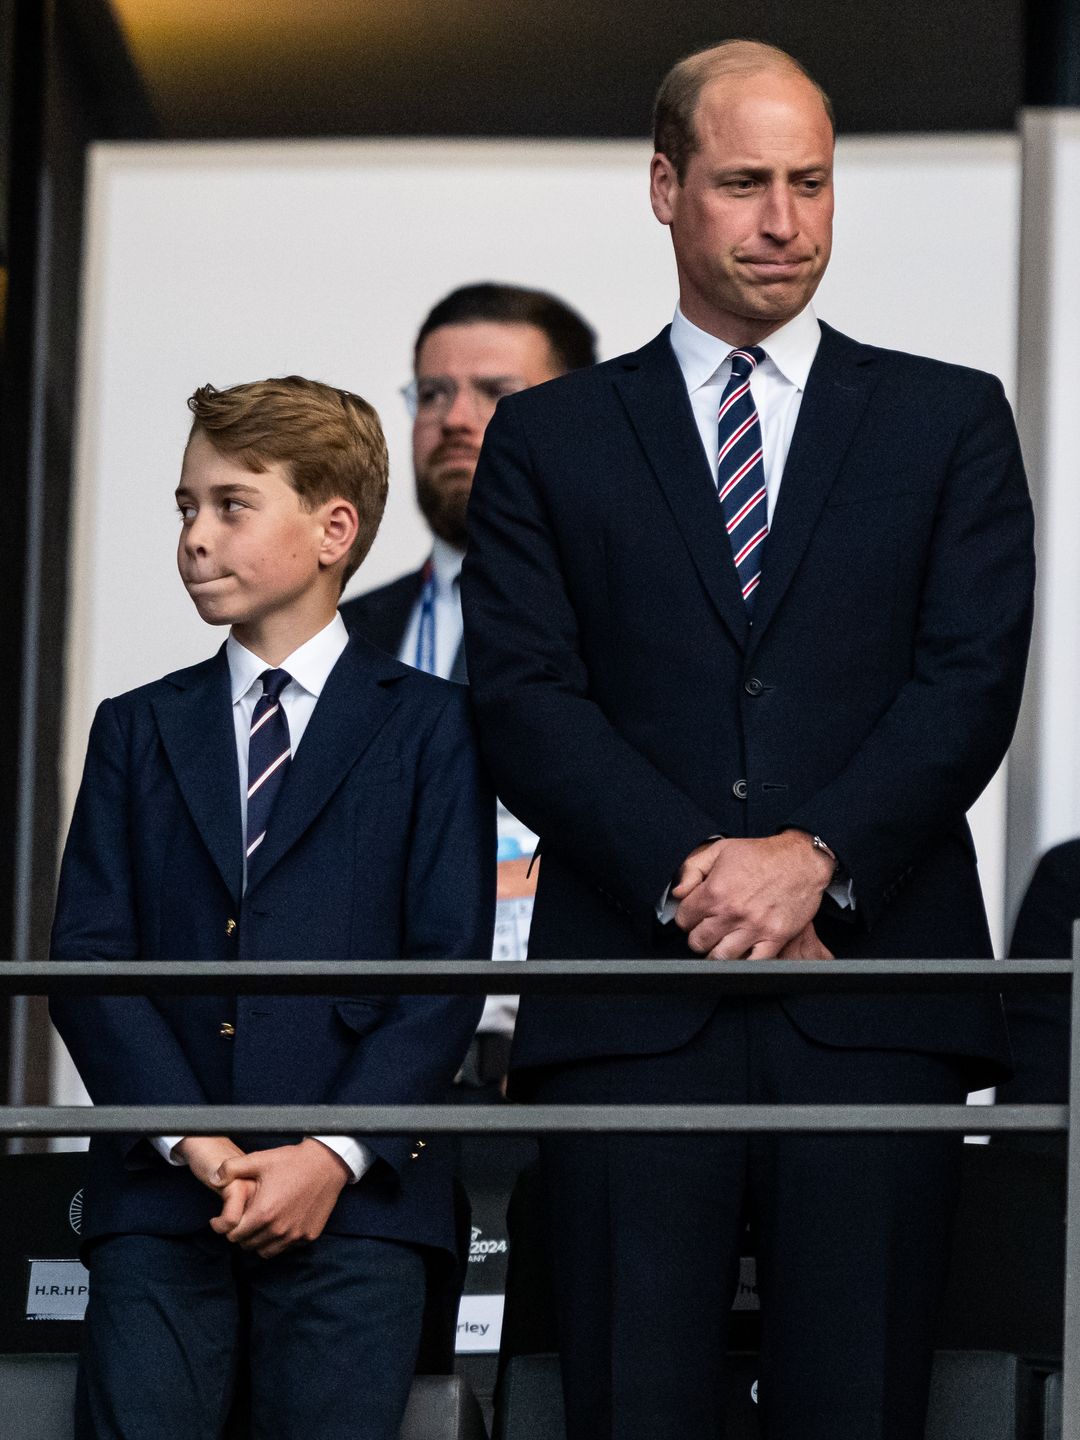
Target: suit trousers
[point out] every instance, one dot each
(329, 1332)
(851, 1236)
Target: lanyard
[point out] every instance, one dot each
(425, 634)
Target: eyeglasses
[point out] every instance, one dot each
(432, 397)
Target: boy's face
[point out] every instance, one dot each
(249, 552)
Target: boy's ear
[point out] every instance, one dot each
(341, 525)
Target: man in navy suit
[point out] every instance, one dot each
(299, 796)
(747, 614)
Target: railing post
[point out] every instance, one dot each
(1070, 1352)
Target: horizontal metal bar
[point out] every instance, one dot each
(80, 1120)
(544, 977)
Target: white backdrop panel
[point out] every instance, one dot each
(1045, 784)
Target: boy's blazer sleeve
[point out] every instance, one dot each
(124, 1050)
(449, 915)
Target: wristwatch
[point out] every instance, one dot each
(819, 844)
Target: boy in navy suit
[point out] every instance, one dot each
(299, 796)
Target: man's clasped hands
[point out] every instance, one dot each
(754, 899)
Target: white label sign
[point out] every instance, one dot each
(479, 1324)
(58, 1290)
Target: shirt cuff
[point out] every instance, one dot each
(165, 1145)
(666, 906)
(842, 892)
(355, 1153)
(499, 1015)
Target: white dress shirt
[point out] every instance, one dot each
(310, 667)
(777, 386)
(448, 625)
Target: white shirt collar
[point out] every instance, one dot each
(791, 349)
(309, 665)
(447, 560)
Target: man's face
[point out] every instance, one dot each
(751, 222)
(247, 549)
(461, 373)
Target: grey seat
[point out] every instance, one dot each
(979, 1395)
(442, 1407)
(37, 1394)
(1052, 1407)
(974, 1395)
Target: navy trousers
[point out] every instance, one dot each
(852, 1239)
(327, 1335)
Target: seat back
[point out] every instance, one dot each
(39, 1399)
(1052, 1394)
(38, 1396)
(974, 1395)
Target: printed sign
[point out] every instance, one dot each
(479, 1324)
(58, 1290)
(481, 1247)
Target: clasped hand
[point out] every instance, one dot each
(753, 899)
(271, 1199)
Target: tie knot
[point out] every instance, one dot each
(744, 362)
(274, 682)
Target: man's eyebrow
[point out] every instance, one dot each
(762, 172)
(472, 379)
(748, 167)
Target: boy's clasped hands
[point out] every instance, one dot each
(271, 1199)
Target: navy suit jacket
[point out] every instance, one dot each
(382, 616)
(381, 844)
(628, 711)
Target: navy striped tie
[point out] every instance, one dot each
(269, 753)
(740, 476)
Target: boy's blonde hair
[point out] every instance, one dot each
(329, 441)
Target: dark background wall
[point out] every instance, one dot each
(554, 67)
(67, 80)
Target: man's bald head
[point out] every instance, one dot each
(674, 131)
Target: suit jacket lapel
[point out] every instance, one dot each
(354, 706)
(841, 380)
(195, 723)
(652, 389)
(382, 616)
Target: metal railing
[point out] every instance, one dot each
(769, 977)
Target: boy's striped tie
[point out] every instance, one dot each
(269, 753)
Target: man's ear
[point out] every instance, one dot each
(663, 188)
(341, 525)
